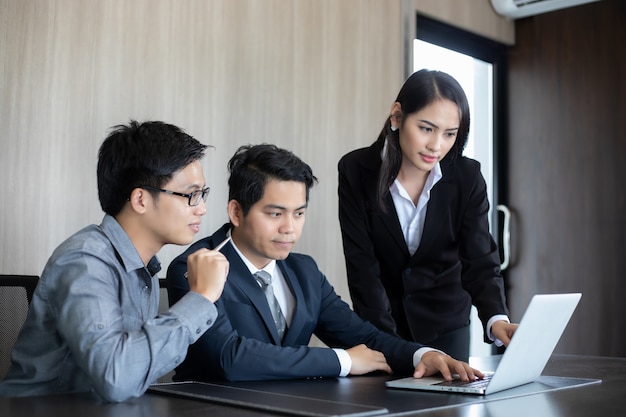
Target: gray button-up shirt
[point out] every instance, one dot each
(93, 324)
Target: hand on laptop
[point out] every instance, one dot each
(503, 331)
(433, 362)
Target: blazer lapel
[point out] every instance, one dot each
(392, 223)
(437, 215)
(241, 277)
(299, 318)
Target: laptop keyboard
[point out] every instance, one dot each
(479, 383)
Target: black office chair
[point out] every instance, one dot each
(163, 300)
(16, 293)
(164, 305)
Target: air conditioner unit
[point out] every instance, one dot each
(515, 9)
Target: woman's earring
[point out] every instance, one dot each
(394, 128)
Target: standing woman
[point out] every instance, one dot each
(414, 222)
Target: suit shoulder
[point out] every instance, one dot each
(305, 269)
(352, 156)
(182, 258)
(360, 163)
(463, 167)
(303, 265)
(468, 164)
(200, 244)
(300, 260)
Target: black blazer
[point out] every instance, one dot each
(423, 296)
(243, 343)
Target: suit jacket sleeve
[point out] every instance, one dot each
(240, 345)
(479, 254)
(339, 326)
(369, 296)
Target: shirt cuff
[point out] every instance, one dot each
(492, 320)
(417, 356)
(344, 361)
(196, 313)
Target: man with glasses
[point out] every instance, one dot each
(93, 323)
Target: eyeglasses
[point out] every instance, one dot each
(194, 197)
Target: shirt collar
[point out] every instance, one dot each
(435, 175)
(269, 268)
(124, 247)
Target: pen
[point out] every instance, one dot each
(218, 247)
(221, 245)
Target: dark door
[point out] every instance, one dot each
(567, 168)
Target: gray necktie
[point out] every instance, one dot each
(265, 279)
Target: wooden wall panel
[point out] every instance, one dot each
(315, 76)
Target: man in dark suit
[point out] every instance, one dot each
(268, 198)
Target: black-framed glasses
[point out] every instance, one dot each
(194, 197)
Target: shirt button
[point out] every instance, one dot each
(209, 322)
(145, 288)
(197, 331)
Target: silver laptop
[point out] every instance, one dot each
(523, 361)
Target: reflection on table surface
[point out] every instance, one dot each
(593, 400)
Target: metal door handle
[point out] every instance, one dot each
(506, 236)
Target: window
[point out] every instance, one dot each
(479, 66)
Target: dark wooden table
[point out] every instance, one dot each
(607, 398)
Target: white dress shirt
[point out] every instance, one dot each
(412, 217)
(288, 303)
